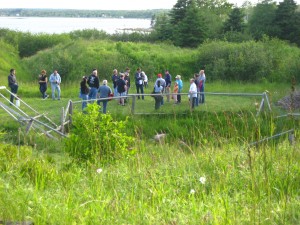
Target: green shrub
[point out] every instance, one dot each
(249, 61)
(97, 137)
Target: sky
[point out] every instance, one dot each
(99, 4)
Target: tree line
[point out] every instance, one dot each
(191, 22)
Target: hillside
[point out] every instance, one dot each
(271, 60)
(9, 58)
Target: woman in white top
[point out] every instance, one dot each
(145, 79)
(192, 93)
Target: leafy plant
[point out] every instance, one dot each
(97, 137)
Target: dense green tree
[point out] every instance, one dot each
(218, 7)
(178, 11)
(235, 22)
(162, 27)
(191, 30)
(261, 22)
(287, 20)
(213, 22)
(214, 13)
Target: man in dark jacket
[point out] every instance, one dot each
(93, 82)
(139, 82)
(121, 85)
(168, 79)
(12, 83)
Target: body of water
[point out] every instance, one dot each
(58, 25)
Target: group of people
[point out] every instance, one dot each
(196, 91)
(90, 88)
(54, 80)
(163, 85)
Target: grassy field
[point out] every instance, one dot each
(204, 172)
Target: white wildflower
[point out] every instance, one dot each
(99, 170)
(192, 191)
(202, 180)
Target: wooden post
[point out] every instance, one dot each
(70, 112)
(62, 120)
(133, 104)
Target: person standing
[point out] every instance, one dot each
(122, 89)
(201, 86)
(127, 79)
(175, 92)
(13, 84)
(93, 82)
(43, 80)
(55, 81)
(197, 82)
(158, 97)
(180, 86)
(145, 79)
(163, 84)
(168, 79)
(84, 91)
(192, 93)
(104, 92)
(139, 83)
(115, 79)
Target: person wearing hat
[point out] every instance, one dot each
(43, 83)
(158, 94)
(84, 91)
(180, 86)
(104, 92)
(162, 83)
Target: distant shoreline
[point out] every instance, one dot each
(76, 13)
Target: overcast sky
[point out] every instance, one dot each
(98, 4)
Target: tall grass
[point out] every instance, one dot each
(159, 185)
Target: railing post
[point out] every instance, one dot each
(62, 120)
(133, 104)
(70, 112)
(268, 102)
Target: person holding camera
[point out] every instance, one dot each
(55, 81)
